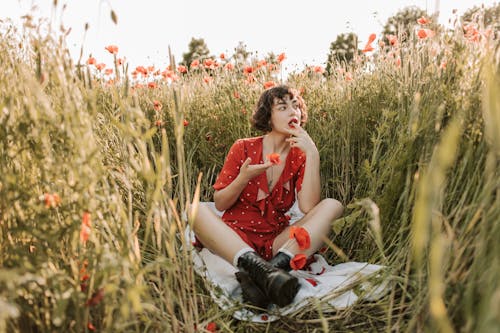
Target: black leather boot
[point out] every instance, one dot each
(281, 260)
(279, 286)
(251, 293)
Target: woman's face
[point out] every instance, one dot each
(285, 113)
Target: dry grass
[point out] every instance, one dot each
(412, 150)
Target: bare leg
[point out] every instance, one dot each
(317, 222)
(261, 283)
(216, 235)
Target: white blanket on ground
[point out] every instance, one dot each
(338, 286)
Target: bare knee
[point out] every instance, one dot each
(204, 211)
(333, 206)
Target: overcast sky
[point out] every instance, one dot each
(302, 29)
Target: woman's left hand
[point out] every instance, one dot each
(300, 138)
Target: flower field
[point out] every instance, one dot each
(103, 166)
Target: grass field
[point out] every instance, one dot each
(98, 171)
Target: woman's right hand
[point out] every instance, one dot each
(249, 171)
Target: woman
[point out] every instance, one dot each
(256, 187)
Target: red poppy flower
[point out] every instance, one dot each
(85, 228)
(182, 69)
(248, 69)
(269, 84)
(422, 21)
(274, 158)
(318, 69)
(298, 261)
(83, 268)
(236, 95)
(398, 62)
(185, 123)
(56, 198)
(157, 105)
(195, 63)
(371, 38)
(90, 326)
(250, 79)
(83, 283)
(84, 287)
(209, 63)
(152, 85)
(96, 298)
(471, 32)
(261, 63)
(222, 56)
(100, 66)
(264, 317)
(281, 57)
(229, 66)
(167, 74)
(51, 200)
(119, 61)
(108, 71)
(302, 237)
(159, 123)
(393, 40)
(425, 33)
(142, 70)
(212, 327)
(368, 46)
(113, 49)
(91, 61)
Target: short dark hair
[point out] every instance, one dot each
(261, 117)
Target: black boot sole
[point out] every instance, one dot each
(251, 293)
(282, 288)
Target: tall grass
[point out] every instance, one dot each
(412, 149)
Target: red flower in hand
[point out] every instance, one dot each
(301, 236)
(274, 158)
(298, 261)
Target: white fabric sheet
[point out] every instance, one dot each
(337, 286)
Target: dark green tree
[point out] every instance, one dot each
(342, 50)
(403, 22)
(485, 17)
(197, 50)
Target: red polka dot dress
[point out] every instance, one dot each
(258, 215)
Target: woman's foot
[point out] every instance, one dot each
(281, 260)
(279, 286)
(251, 292)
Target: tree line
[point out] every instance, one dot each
(345, 47)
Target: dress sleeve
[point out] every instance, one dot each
(231, 168)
